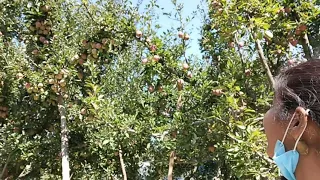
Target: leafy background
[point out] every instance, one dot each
(137, 96)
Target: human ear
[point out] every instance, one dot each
(299, 122)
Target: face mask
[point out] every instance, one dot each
(287, 161)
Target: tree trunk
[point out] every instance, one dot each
(171, 163)
(64, 139)
(124, 173)
(306, 47)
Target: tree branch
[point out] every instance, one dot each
(264, 62)
(5, 166)
(306, 46)
(171, 163)
(124, 173)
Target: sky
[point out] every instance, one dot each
(193, 27)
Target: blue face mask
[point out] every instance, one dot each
(287, 161)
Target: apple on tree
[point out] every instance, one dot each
(180, 84)
(151, 88)
(185, 66)
(217, 92)
(189, 74)
(186, 37)
(153, 48)
(138, 34)
(156, 58)
(144, 61)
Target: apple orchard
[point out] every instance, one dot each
(92, 90)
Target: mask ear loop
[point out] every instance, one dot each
(295, 145)
(285, 134)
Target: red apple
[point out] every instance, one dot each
(302, 27)
(45, 32)
(19, 76)
(83, 56)
(150, 88)
(241, 44)
(156, 58)
(186, 37)
(153, 48)
(281, 10)
(144, 61)
(27, 85)
(138, 34)
(215, 4)
(98, 46)
(185, 66)
(42, 39)
(81, 61)
(45, 8)
(83, 111)
(38, 24)
(217, 92)
(291, 61)
(58, 76)
(62, 83)
(160, 89)
(180, 34)
(189, 74)
(231, 44)
(211, 148)
(247, 72)
(43, 28)
(84, 42)
(287, 9)
(40, 85)
(51, 81)
(35, 52)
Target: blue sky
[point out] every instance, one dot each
(193, 27)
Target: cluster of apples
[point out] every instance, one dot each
(152, 48)
(4, 111)
(217, 92)
(35, 89)
(183, 36)
(57, 83)
(93, 49)
(217, 6)
(283, 10)
(42, 28)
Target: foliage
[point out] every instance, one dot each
(131, 93)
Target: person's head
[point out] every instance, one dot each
(297, 98)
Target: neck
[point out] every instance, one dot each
(309, 165)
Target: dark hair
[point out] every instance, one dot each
(299, 86)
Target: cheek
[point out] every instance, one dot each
(272, 131)
(271, 143)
